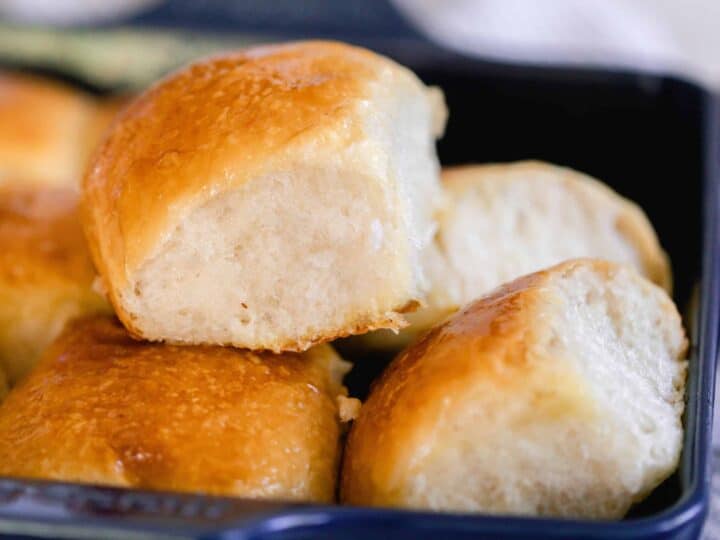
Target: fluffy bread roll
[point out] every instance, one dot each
(271, 198)
(503, 221)
(46, 274)
(559, 394)
(43, 131)
(102, 408)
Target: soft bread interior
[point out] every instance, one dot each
(288, 255)
(504, 221)
(288, 207)
(593, 426)
(502, 228)
(326, 246)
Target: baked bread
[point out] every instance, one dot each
(271, 198)
(102, 408)
(46, 273)
(559, 394)
(42, 131)
(506, 220)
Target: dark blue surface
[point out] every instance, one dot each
(343, 19)
(654, 139)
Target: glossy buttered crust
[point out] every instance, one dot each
(481, 361)
(103, 408)
(46, 274)
(43, 130)
(414, 387)
(208, 129)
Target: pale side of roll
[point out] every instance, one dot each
(46, 274)
(102, 408)
(43, 131)
(506, 220)
(48, 130)
(558, 394)
(271, 198)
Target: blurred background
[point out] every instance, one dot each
(125, 43)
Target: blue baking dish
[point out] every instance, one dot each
(655, 139)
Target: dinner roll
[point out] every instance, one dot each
(559, 394)
(42, 131)
(102, 408)
(271, 198)
(506, 220)
(46, 274)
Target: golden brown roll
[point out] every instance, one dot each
(46, 273)
(271, 198)
(506, 220)
(102, 408)
(43, 127)
(559, 394)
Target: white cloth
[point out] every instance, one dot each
(69, 12)
(677, 36)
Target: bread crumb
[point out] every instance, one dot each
(348, 408)
(98, 286)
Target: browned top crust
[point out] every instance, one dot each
(104, 408)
